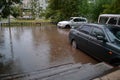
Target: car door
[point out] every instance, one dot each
(81, 21)
(74, 22)
(113, 21)
(98, 48)
(83, 37)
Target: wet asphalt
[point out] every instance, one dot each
(26, 49)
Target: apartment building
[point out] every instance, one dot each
(41, 3)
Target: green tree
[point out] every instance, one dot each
(113, 8)
(98, 8)
(84, 8)
(6, 7)
(33, 5)
(36, 9)
(62, 9)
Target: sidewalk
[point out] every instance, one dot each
(65, 72)
(114, 75)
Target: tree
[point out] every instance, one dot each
(62, 9)
(113, 8)
(36, 9)
(6, 7)
(33, 5)
(84, 7)
(98, 8)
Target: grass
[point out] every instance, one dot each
(17, 22)
(40, 20)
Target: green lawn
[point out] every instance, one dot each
(30, 21)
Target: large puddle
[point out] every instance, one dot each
(26, 49)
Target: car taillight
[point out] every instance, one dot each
(110, 52)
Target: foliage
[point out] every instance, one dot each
(84, 8)
(98, 8)
(113, 8)
(33, 5)
(62, 9)
(8, 8)
(15, 10)
(36, 9)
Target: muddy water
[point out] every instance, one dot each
(26, 49)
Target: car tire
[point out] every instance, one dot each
(67, 26)
(58, 26)
(74, 44)
(115, 62)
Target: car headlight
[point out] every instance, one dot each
(59, 24)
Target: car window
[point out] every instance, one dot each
(97, 32)
(116, 32)
(118, 35)
(119, 21)
(103, 20)
(79, 20)
(85, 29)
(76, 20)
(82, 20)
(113, 20)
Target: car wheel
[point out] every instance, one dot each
(58, 26)
(74, 45)
(67, 26)
(115, 62)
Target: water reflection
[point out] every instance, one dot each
(34, 48)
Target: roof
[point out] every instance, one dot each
(110, 15)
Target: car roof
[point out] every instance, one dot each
(110, 15)
(78, 17)
(95, 24)
(101, 25)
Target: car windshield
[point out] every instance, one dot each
(114, 33)
(70, 18)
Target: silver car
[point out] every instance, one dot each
(73, 22)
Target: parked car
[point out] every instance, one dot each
(100, 41)
(73, 22)
(112, 19)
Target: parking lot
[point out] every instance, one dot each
(27, 49)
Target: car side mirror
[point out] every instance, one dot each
(102, 38)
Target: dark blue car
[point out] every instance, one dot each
(99, 41)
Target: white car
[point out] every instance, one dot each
(112, 19)
(73, 22)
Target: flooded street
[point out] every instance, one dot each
(26, 49)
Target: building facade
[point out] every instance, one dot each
(41, 3)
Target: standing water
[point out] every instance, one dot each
(27, 49)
